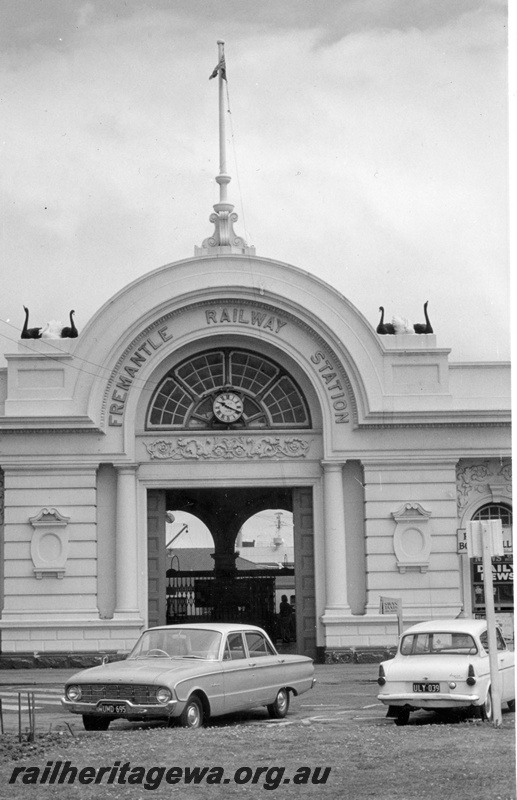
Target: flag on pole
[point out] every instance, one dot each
(220, 68)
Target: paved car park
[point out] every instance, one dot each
(344, 694)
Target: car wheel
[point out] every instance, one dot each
(280, 707)
(94, 723)
(487, 711)
(192, 714)
(402, 717)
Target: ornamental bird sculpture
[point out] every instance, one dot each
(70, 331)
(423, 327)
(56, 330)
(29, 333)
(384, 327)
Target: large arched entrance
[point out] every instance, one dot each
(226, 593)
(233, 394)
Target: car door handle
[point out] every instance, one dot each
(253, 664)
(281, 660)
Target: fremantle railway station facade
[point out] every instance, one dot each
(229, 383)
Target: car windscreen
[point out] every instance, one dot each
(437, 643)
(177, 643)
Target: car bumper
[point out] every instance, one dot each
(133, 711)
(435, 700)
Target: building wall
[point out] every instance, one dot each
(394, 425)
(412, 545)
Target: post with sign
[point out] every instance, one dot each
(392, 605)
(485, 539)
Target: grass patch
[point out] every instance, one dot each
(463, 761)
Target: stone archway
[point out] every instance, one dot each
(224, 511)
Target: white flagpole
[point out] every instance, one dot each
(223, 196)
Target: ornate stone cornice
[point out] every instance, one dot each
(444, 424)
(57, 424)
(214, 448)
(50, 430)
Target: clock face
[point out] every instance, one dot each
(228, 407)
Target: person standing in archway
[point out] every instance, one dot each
(285, 613)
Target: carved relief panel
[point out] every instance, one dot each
(49, 543)
(488, 481)
(411, 538)
(208, 448)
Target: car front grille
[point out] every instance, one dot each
(135, 693)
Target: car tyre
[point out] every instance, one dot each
(402, 717)
(487, 709)
(279, 709)
(192, 714)
(92, 722)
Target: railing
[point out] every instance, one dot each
(247, 597)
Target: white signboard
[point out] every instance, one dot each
(392, 605)
(490, 531)
(462, 540)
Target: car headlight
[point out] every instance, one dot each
(163, 695)
(73, 693)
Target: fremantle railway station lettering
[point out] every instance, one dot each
(328, 373)
(329, 376)
(245, 316)
(130, 370)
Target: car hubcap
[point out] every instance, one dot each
(281, 701)
(193, 716)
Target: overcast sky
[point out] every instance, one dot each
(367, 144)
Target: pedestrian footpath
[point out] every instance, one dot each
(27, 678)
(42, 698)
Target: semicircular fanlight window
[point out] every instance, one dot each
(270, 397)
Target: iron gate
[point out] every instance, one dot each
(202, 596)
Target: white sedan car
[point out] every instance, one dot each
(190, 673)
(444, 664)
